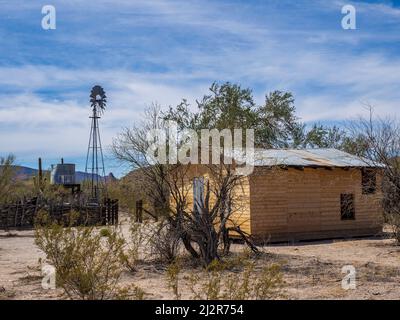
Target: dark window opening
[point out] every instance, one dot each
(347, 207)
(368, 181)
(139, 211)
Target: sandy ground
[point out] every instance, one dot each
(311, 270)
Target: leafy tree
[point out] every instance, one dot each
(324, 137)
(355, 144)
(278, 126)
(228, 106)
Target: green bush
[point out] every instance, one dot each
(88, 264)
(218, 282)
(105, 232)
(173, 271)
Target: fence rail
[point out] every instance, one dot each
(22, 215)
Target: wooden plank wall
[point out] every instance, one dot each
(305, 204)
(241, 215)
(268, 201)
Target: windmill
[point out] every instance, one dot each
(94, 159)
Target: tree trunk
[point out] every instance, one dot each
(188, 246)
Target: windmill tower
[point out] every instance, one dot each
(94, 159)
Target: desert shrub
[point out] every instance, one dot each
(105, 232)
(164, 242)
(216, 283)
(7, 173)
(88, 265)
(394, 222)
(130, 292)
(207, 285)
(391, 199)
(254, 285)
(6, 294)
(223, 281)
(173, 271)
(139, 234)
(152, 240)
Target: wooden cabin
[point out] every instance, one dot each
(302, 195)
(308, 194)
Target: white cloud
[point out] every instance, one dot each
(44, 109)
(61, 127)
(324, 108)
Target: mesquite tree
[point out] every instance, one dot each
(211, 220)
(168, 187)
(155, 179)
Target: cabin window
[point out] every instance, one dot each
(368, 181)
(139, 211)
(198, 193)
(347, 206)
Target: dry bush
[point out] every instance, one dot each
(206, 285)
(381, 140)
(6, 294)
(139, 234)
(265, 285)
(173, 271)
(165, 242)
(88, 264)
(218, 283)
(394, 222)
(239, 279)
(155, 241)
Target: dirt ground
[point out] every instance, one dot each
(311, 270)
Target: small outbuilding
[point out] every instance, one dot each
(64, 174)
(301, 194)
(312, 194)
(309, 194)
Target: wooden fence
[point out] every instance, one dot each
(22, 215)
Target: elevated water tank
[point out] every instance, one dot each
(63, 173)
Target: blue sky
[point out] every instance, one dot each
(162, 51)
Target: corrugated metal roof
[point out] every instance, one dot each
(309, 158)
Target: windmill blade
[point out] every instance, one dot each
(98, 98)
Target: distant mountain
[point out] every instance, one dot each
(82, 176)
(25, 173)
(111, 178)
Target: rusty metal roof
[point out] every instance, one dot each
(309, 158)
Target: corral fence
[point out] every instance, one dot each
(23, 214)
